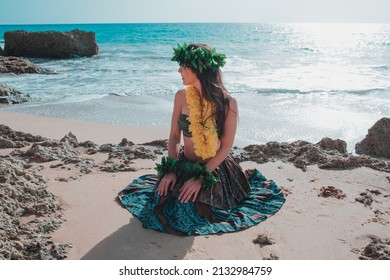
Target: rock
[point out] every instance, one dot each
(106, 148)
(132, 152)
(263, 240)
(9, 95)
(50, 44)
(50, 151)
(1, 51)
(17, 65)
(377, 141)
(271, 257)
(330, 144)
(16, 139)
(365, 198)
(38, 153)
(377, 250)
(331, 191)
(24, 196)
(125, 143)
(159, 143)
(340, 162)
(306, 155)
(88, 144)
(91, 147)
(86, 166)
(144, 153)
(271, 150)
(117, 168)
(71, 139)
(326, 154)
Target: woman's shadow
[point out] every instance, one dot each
(134, 242)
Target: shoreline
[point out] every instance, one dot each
(56, 128)
(310, 225)
(89, 129)
(256, 125)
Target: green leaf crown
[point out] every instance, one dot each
(198, 58)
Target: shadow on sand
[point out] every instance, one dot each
(134, 242)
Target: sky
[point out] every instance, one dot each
(134, 11)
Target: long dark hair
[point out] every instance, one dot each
(213, 90)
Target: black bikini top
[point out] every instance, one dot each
(184, 125)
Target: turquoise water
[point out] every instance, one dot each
(292, 81)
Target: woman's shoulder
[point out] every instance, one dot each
(181, 93)
(230, 98)
(180, 96)
(231, 101)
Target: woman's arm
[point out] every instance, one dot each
(227, 139)
(175, 133)
(169, 180)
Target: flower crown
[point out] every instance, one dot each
(198, 58)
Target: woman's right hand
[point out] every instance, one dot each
(166, 183)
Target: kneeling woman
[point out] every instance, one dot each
(201, 189)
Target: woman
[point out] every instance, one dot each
(201, 189)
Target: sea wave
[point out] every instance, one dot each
(384, 67)
(270, 91)
(364, 91)
(283, 90)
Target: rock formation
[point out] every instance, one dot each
(327, 154)
(50, 44)
(11, 96)
(16, 65)
(377, 141)
(28, 213)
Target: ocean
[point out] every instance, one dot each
(292, 81)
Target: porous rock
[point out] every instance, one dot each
(28, 212)
(18, 66)
(377, 141)
(9, 95)
(50, 44)
(10, 138)
(327, 154)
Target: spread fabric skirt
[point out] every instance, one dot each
(238, 201)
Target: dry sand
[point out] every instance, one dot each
(309, 225)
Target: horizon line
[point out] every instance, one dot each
(198, 22)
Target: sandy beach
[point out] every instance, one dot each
(329, 214)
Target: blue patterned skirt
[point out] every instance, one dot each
(238, 201)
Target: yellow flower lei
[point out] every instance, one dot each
(203, 127)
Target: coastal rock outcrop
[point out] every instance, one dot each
(330, 144)
(50, 44)
(18, 66)
(1, 51)
(11, 96)
(50, 150)
(327, 154)
(377, 141)
(377, 250)
(28, 212)
(10, 138)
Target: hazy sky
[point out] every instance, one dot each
(106, 11)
